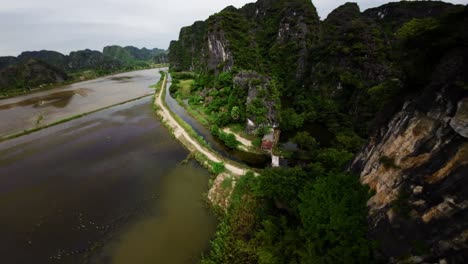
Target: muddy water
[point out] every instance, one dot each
(42, 108)
(106, 188)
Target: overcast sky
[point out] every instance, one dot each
(67, 25)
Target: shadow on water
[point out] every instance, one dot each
(122, 78)
(58, 99)
(251, 159)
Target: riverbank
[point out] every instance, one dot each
(183, 136)
(182, 91)
(226, 171)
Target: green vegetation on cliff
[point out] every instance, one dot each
(329, 85)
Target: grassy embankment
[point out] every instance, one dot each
(215, 167)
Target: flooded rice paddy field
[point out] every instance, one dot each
(105, 188)
(42, 108)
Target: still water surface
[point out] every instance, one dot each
(46, 107)
(106, 188)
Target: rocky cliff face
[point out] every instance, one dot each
(417, 166)
(219, 54)
(91, 59)
(396, 74)
(186, 53)
(262, 96)
(250, 38)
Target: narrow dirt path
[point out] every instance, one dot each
(180, 133)
(242, 140)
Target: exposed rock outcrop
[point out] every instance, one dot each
(355, 71)
(459, 122)
(250, 38)
(417, 166)
(262, 96)
(186, 53)
(219, 55)
(91, 59)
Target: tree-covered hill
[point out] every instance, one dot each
(112, 59)
(385, 87)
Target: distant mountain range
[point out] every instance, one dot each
(34, 68)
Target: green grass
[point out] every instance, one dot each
(217, 167)
(240, 130)
(183, 124)
(227, 183)
(185, 92)
(185, 88)
(198, 115)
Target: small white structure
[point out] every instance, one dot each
(275, 161)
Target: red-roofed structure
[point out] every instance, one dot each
(267, 145)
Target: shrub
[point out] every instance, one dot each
(173, 88)
(229, 139)
(215, 130)
(257, 142)
(417, 26)
(235, 113)
(217, 167)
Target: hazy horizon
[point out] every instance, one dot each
(64, 26)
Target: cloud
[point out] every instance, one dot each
(66, 25)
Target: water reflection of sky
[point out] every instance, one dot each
(42, 108)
